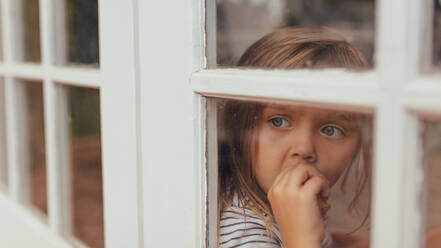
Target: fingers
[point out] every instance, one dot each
(301, 177)
(316, 185)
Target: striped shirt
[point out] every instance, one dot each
(240, 227)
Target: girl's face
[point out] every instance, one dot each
(290, 135)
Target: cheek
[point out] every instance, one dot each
(264, 169)
(337, 160)
(267, 163)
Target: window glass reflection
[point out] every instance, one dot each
(29, 37)
(32, 144)
(241, 22)
(86, 172)
(270, 153)
(432, 159)
(78, 42)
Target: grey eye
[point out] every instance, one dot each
(332, 131)
(279, 122)
(328, 130)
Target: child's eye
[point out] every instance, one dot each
(332, 131)
(279, 122)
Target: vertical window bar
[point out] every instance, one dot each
(425, 9)
(3, 155)
(16, 141)
(210, 33)
(212, 172)
(12, 138)
(59, 52)
(399, 24)
(413, 190)
(388, 183)
(395, 40)
(56, 129)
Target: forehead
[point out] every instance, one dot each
(316, 112)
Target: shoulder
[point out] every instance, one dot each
(240, 227)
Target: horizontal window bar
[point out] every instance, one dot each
(329, 86)
(77, 76)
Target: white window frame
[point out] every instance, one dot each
(116, 79)
(396, 90)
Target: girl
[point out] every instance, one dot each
(278, 162)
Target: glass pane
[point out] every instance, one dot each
(437, 34)
(29, 37)
(86, 174)
(432, 158)
(78, 41)
(280, 151)
(240, 23)
(3, 160)
(33, 144)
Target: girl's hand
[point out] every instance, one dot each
(293, 199)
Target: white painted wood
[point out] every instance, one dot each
(56, 127)
(426, 11)
(414, 187)
(200, 122)
(59, 28)
(200, 155)
(3, 154)
(17, 140)
(345, 88)
(7, 34)
(210, 33)
(422, 95)
(121, 127)
(199, 36)
(212, 172)
(170, 174)
(388, 176)
(79, 77)
(394, 39)
(23, 229)
(47, 34)
(20, 176)
(15, 16)
(75, 76)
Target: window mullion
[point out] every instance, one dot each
(212, 171)
(17, 182)
(413, 189)
(16, 140)
(8, 44)
(398, 40)
(56, 130)
(388, 176)
(210, 33)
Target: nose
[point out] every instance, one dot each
(303, 147)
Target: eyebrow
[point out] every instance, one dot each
(348, 117)
(334, 115)
(286, 108)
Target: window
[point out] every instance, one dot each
(394, 90)
(55, 76)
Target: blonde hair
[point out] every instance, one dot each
(286, 48)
